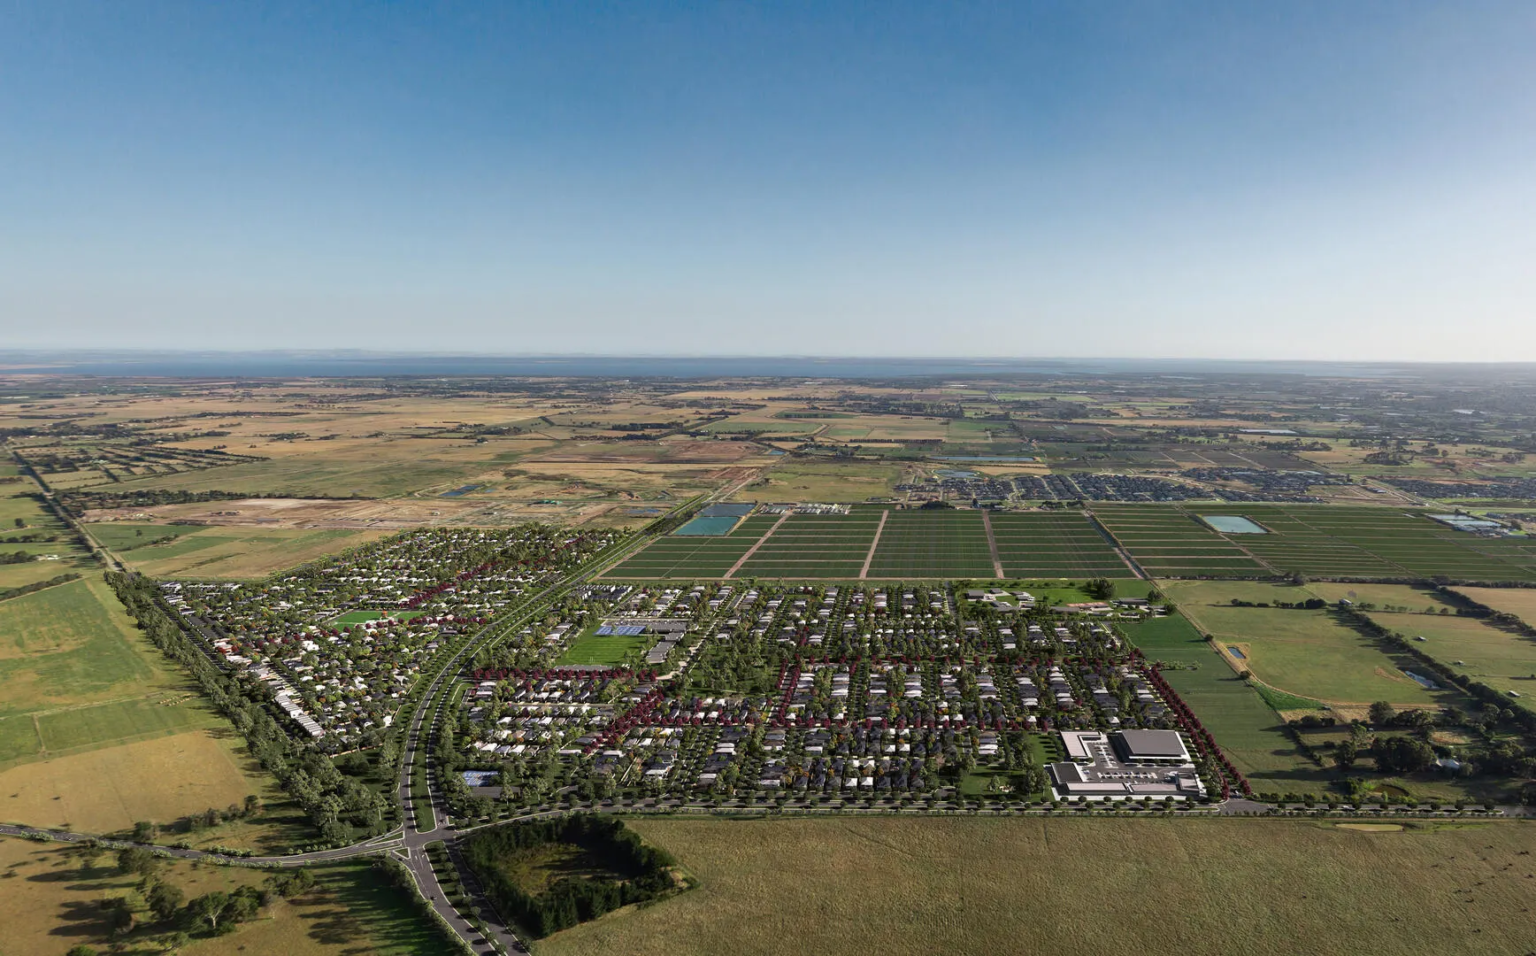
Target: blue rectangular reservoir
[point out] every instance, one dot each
(708, 526)
(1232, 524)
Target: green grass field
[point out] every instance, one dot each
(589, 648)
(17, 504)
(1246, 728)
(73, 644)
(98, 730)
(239, 553)
(119, 721)
(1521, 602)
(1308, 654)
(126, 535)
(972, 887)
(1504, 660)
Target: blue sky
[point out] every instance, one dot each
(1297, 180)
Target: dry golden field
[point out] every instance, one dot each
(110, 789)
(1521, 602)
(52, 902)
(973, 887)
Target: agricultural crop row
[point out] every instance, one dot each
(1319, 541)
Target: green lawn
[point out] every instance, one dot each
(589, 648)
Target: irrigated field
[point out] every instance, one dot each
(1053, 545)
(1201, 887)
(682, 556)
(893, 543)
(1168, 542)
(1165, 540)
(1375, 542)
(1316, 540)
(936, 544)
(815, 546)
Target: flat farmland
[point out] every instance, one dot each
(237, 553)
(910, 544)
(97, 730)
(1298, 543)
(1053, 545)
(815, 546)
(369, 471)
(973, 886)
(688, 556)
(829, 481)
(1382, 595)
(1405, 540)
(1504, 660)
(71, 645)
(1166, 541)
(163, 779)
(123, 536)
(1318, 540)
(933, 544)
(1309, 654)
(22, 515)
(685, 557)
(1169, 542)
(1246, 728)
(1521, 602)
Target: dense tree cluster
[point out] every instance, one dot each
(632, 872)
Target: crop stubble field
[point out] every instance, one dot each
(981, 886)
